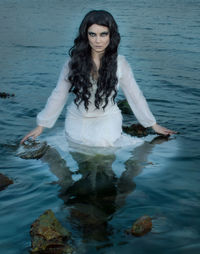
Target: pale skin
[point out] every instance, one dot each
(99, 39)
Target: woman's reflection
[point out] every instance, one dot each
(94, 198)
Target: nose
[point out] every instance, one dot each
(98, 39)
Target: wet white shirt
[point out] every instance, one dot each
(96, 127)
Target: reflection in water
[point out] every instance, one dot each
(94, 198)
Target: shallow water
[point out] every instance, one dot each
(161, 41)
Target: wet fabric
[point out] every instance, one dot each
(97, 127)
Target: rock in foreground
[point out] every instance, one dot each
(49, 236)
(142, 226)
(4, 181)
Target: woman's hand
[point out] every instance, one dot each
(162, 130)
(34, 134)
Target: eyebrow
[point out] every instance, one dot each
(105, 32)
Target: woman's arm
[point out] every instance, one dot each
(55, 103)
(136, 98)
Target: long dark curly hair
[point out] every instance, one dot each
(81, 64)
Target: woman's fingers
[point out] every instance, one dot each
(162, 130)
(170, 131)
(26, 137)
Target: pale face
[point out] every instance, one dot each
(99, 38)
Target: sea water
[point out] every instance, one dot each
(111, 189)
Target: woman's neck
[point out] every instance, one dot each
(96, 57)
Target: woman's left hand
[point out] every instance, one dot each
(162, 130)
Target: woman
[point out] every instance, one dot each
(94, 73)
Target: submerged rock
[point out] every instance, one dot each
(4, 181)
(6, 95)
(49, 236)
(32, 149)
(136, 130)
(160, 139)
(141, 226)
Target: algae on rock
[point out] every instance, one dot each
(49, 236)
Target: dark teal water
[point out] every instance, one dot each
(97, 198)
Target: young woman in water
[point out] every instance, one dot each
(94, 72)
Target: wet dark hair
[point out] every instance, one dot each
(81, 64)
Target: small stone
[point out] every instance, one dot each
(142, 226)
(32, 149)
(4, 181)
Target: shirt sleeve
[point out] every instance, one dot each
(134, 95)
(56, 101)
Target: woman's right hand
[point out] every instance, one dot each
(33, 134)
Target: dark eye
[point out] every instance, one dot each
(104, 34)
(91, 34)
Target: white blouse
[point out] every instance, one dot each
(104, 125)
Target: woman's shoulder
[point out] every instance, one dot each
(67, 60)
(65, 66)
(66, 63)
(121, 60)
(123, 65)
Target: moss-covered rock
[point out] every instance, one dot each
(124, 107)
(136, 130)
(49, 236)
